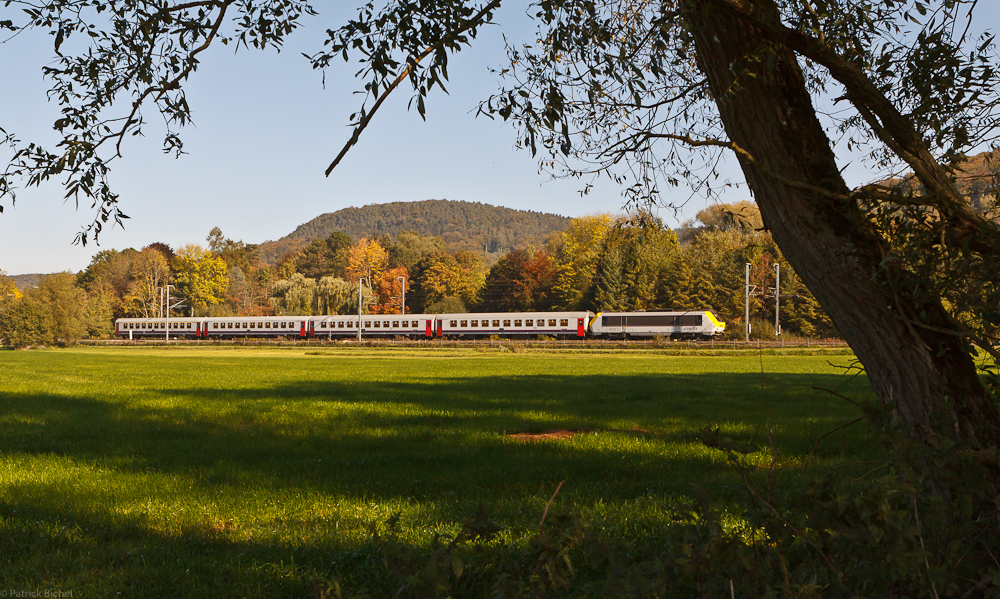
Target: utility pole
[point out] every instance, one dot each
(360, 299)
(777, 298)
(402, 296)
(166, 322)
(746, 328)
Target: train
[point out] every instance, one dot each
(690, 324)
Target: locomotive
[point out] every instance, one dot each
(691, 324)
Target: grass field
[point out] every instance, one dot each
(205, 472)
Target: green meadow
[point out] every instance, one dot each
(208, 472)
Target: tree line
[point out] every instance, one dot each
(599, 263)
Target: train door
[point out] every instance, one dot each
(580, 330)
(302, 329)
(440, 327)
(312, 329)
(430, 331)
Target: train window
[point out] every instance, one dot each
(385, 323)
(517, 323)
(475, 323)
(564, 322)
(506, 323)
(690, 320)
(378, 323)
(395, 324)
(453, 323)
(368, 323)
(496, 323)
(189, 325)
(464, 324)
(215, 325)
(415, 324)
(552, 322)
(529, 323)
(350, 324)
(230, 326)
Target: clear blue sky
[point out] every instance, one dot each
(265, 130)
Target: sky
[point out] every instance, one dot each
(265, 128)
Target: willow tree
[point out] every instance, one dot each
(907, 272)
(638, 84)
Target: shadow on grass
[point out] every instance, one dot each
(421, 439)
(440, 447)
(49, 546)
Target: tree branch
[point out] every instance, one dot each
(366, 119)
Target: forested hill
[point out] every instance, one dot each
(461, 225)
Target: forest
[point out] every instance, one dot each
(599, 263)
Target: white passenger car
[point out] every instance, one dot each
(157, 328)
(372, 325)
(513, 324)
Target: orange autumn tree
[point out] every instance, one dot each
(389, 290)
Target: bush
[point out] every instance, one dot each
(25, 322)
(447, 305)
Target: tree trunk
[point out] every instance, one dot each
(767, 111)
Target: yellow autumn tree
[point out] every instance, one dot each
(581, 247)
(367, 259)
(200, 277)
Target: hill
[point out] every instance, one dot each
(468, 226)
(27, 281)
